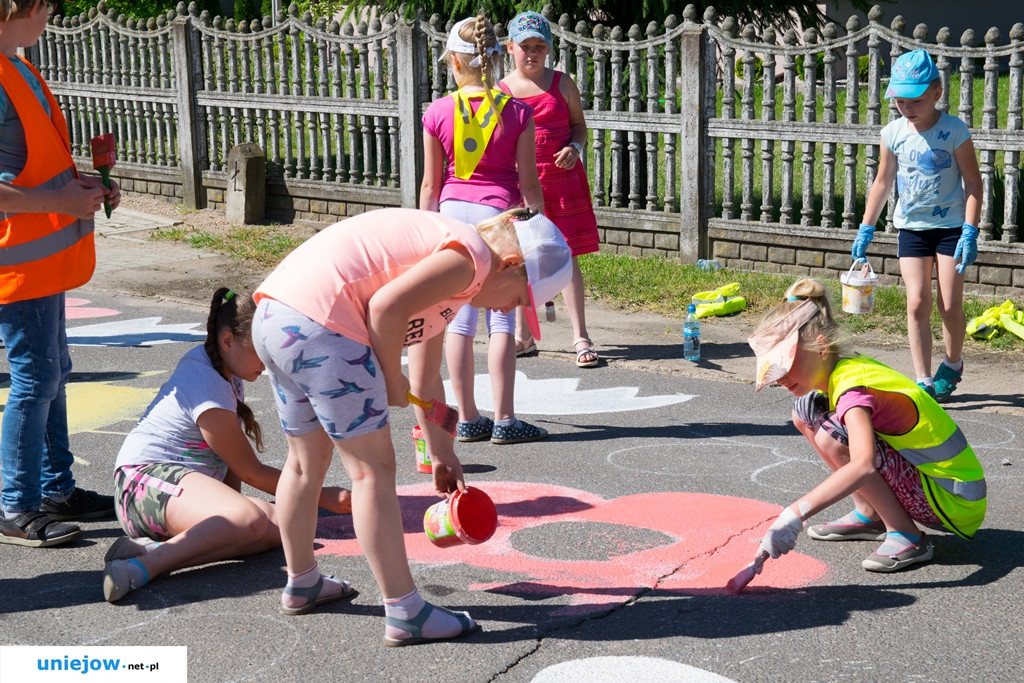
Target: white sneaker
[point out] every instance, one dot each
(125, 548)
(117, 580)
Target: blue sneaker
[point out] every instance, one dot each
(518, 432)
(946, 379)
(928, 389)
(474, 431)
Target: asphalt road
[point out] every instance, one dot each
(616, 535)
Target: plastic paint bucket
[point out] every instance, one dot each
(859, 289)
(468, 517)
(423, 462)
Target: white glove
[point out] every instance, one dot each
(781, 536)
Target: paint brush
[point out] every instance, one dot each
(103, 159)
(747, 574)
(437, 412)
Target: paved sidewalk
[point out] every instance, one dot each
(122, 240)
(129, 262)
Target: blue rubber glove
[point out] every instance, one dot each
(865, 234)
(781, 536)
(966, 248)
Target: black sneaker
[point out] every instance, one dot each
(81, 504)
(36, 530)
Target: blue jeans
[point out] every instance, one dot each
(36, 455)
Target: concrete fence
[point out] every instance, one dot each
(337, 109)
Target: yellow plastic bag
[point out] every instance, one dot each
(722, 301)
(1013, 322)
(989, 323)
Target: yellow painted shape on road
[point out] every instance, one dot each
(94, 405)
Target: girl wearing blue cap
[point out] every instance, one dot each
(931, 157)
(561, 134)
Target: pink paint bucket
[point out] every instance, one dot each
(468, 517)
(423, 462)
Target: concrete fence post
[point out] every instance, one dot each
(188, 80)
(246, 195)
(411, 71)
(692, 142)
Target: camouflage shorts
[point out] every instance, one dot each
(142, 492)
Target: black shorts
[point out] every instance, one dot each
(922, 243)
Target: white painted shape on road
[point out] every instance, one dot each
(135, 332)
(561, 396)
(626, 669)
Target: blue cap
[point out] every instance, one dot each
(912, 73)
(529, 25)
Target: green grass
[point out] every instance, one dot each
(262, 244)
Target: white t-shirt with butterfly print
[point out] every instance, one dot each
(928, 180)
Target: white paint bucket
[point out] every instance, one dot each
(859, 289)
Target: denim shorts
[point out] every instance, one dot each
(925, 243)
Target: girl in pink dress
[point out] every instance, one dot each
(561, 132)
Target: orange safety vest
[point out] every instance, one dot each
(42, 253)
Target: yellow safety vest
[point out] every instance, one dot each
(473, 130)
(953, 479)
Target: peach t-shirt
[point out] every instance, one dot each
(331, 277)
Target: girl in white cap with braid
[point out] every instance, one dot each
(478, 160)
(890, 446)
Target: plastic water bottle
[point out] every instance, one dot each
(691, 334)
(708, 264)
(549, 311)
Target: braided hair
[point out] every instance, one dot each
(230, 310)
(480, 32)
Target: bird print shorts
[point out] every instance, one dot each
(321, 379)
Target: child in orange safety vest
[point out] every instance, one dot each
(46, 249)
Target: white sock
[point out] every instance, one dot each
(137, 574)
(927, 381)
(958, 366)
(305, 579)
(439, 624)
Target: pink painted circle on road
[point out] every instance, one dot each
(710, 538)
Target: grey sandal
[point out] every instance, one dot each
(415, 627)
(313, 598)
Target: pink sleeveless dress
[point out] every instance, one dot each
(567, 200)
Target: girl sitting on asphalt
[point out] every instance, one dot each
(178, 476)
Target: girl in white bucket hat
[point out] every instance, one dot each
(478, 148)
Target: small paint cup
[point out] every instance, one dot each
(859, 289)
(423, 462)
(468, 517)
